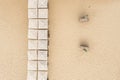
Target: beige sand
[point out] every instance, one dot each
(66, 60)
(13, 39)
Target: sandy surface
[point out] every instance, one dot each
(13, 39)
(66, 60)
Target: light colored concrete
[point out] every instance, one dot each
(101, 32)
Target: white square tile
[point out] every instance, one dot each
(43, 34)
(42, 3)
(43, 23)
(42, 44)
(32, 55)
(32, 75)
(32, 44)
(32, 3)
(32, 65)
(43, 13)
(42, 55)
(42, 65)
(42, 75)
(32, 13)
(32, 34)
(33, 23)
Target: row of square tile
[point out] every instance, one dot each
(38, 23)
(37, 65)
(37, 3)
(37, 34)
(37, 13)
(37, 60)
(38, 44)
(34, 75)
(37, 55)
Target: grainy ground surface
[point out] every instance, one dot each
(101, 32)
(67, 61)
(13, 39)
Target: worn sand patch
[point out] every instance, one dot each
(13, 39)
(67, 61)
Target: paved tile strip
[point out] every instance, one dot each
(37, 40)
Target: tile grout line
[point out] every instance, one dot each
(37, 41)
